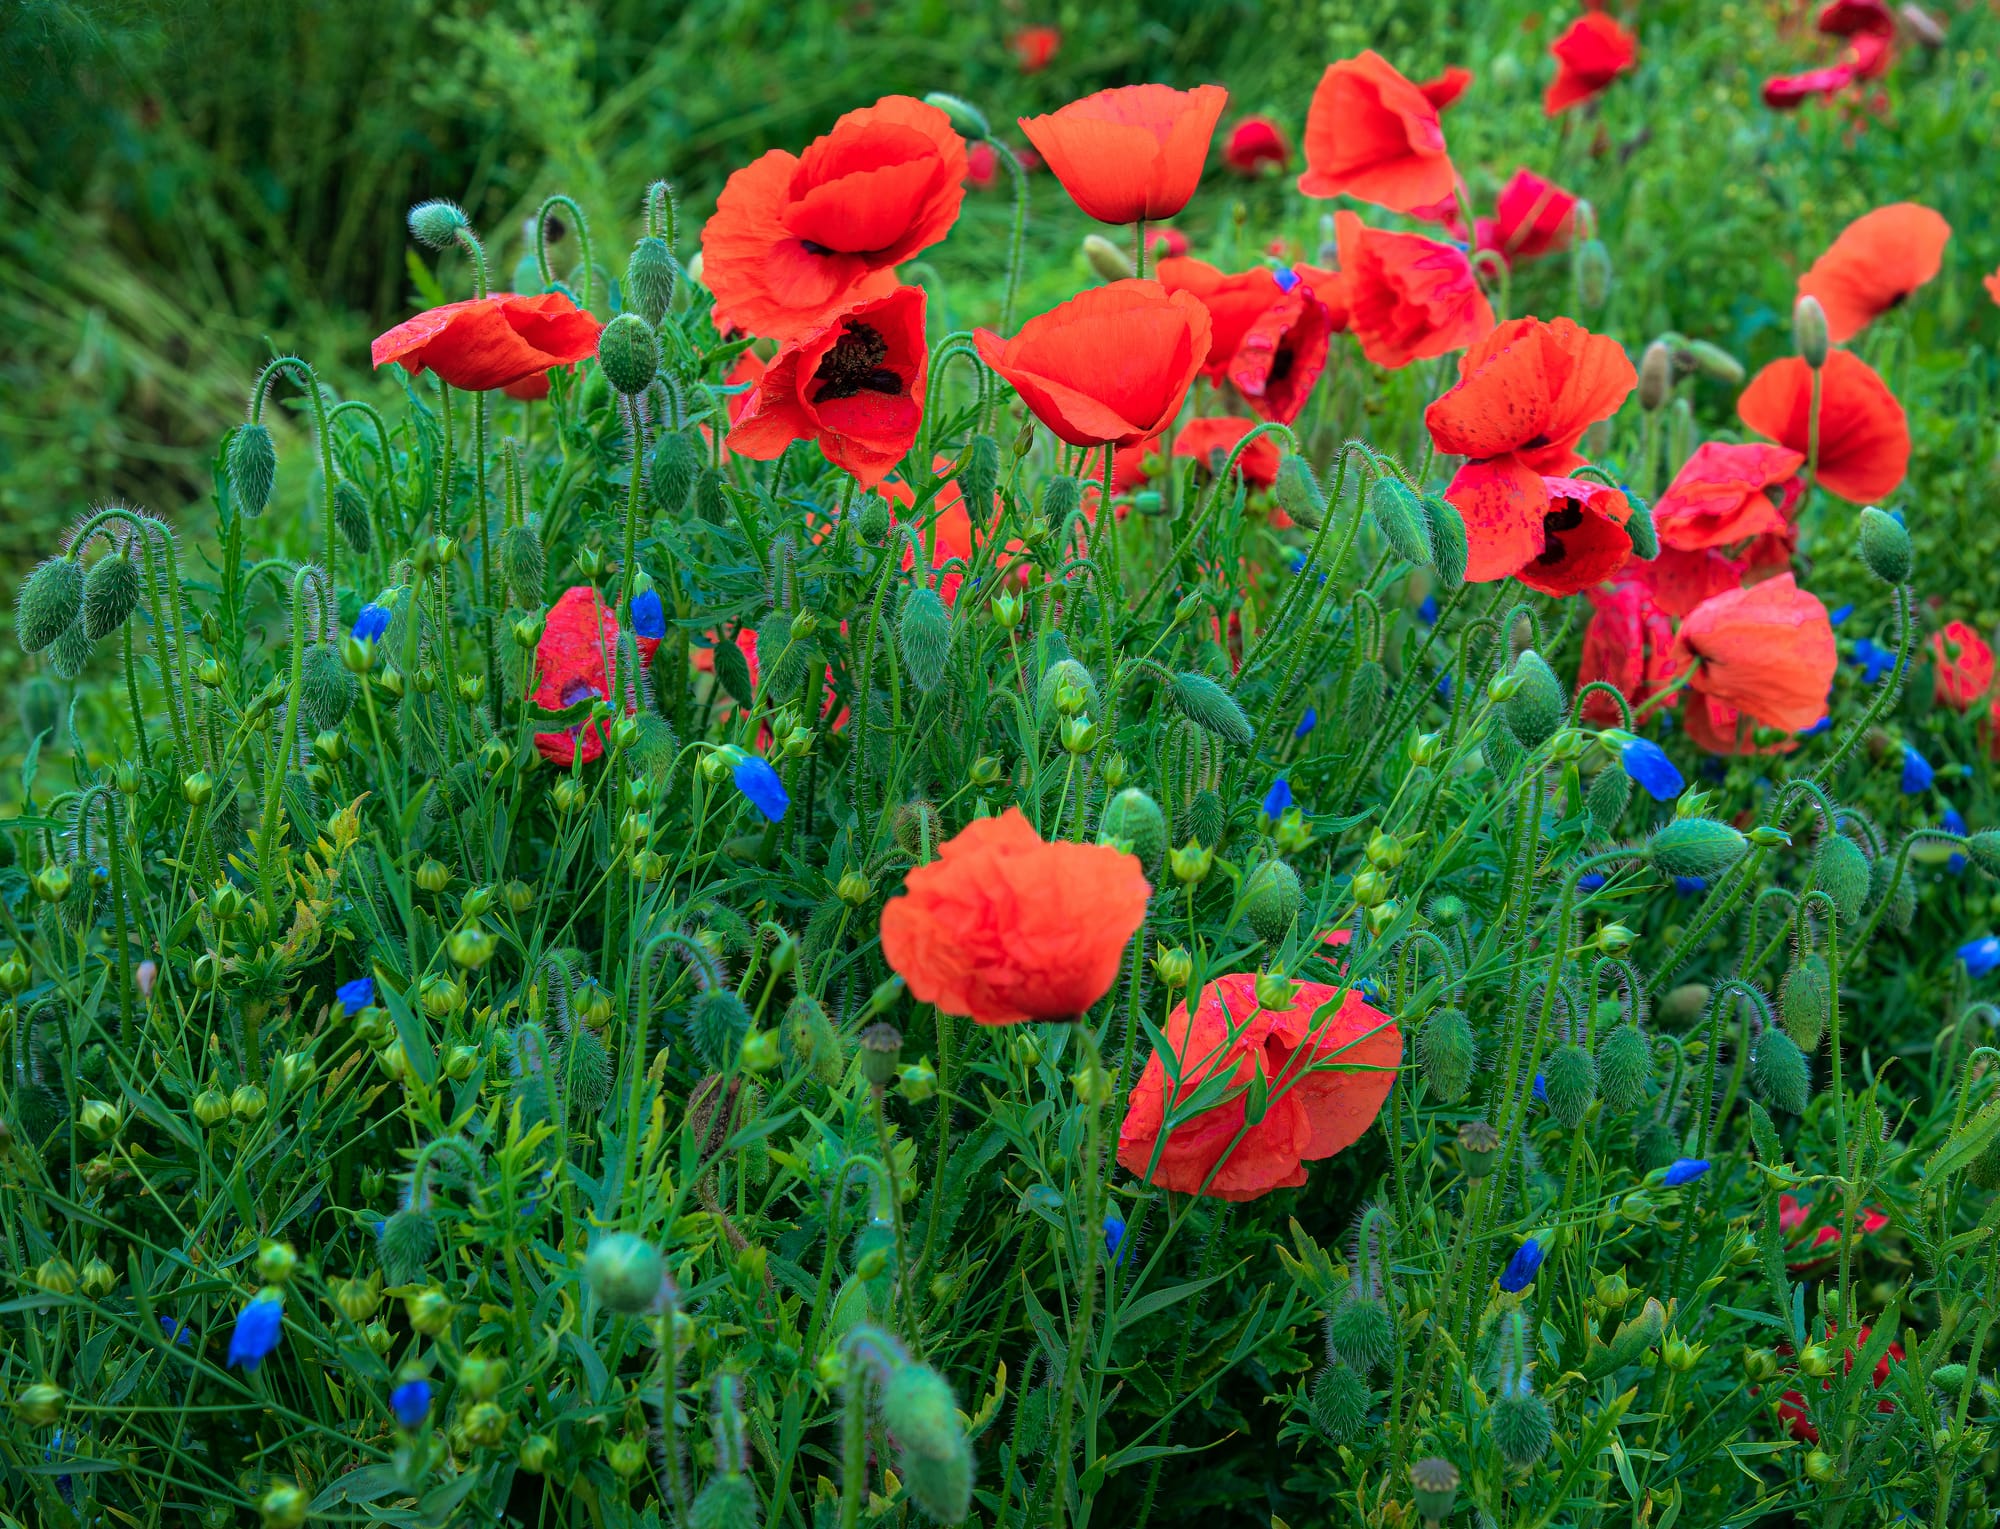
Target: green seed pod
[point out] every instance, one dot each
(1340, 1402)
(676, 464)
(1434, 1488)
(1299, 493)
(1271, 900)
(1210, 707)
(1449, 549)
(1363, 1333)
(1535, 709)
(326, 688)
(874, 521)
(932, 1455)
(629, 353)
(1696, 847)
(523, 564)
(1207, 818)
(923, 636)
(1606, 800)
(1805, 999)
(1624, 1063)
(1060, 500)
(1593, 276)
(624, 1272)
(350, 515)
(1521, 1428)
(1399, 516)
(110, 595)
(1885, 546)
(1366, 691)
(1640, 529)
(979, 480)
(716, 1024)
(1902, 894)
(1840, 870)
(71, 650)
(1781, 1074)
(50, 602)
(1570, 1079)
(649, 279)
(1984, 850)
(1135, 818)
(251, 469)
(1447, 1050)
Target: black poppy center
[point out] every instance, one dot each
(1566, 516)
(814, 247)
(1281, 365)
(854, 365)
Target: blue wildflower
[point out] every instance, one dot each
(1953, 822)
(1285, 277)
(1427, 613)
(1684, 1170)
(1114, 1237)
(1278, 800)
(177, 1332)
(1873, 660)
(1655, 774)
(649, 617)
(371, 623)
(1306, 723)
(1981, 955)
(1590, 881)
(411, 1402)
(1690, 886)
(1839, 614)
(258, 1327)
(757, 780)
(1521, 1268)
(1917, 772)
(1541, 1088)
(1444, 688)
(1817, 728)
(1298, 562)
(356, 995)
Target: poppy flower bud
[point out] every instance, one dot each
(1340, 1401)
(932, 1455)
(1641, 530)
(1624, 1063)
(1536, 706)
(967, 120)
(1780, 1073)
(1948, 1377)
(50, 602)
(1206, 704)
(1570, 1080)
(110, 595)
(1446, 1051)
(1521, 1427)
(1399, 516)
(1715, 363)
(1449, 550)
(1272, 899)
(923, 636)
(629, 353)
(1060, 500)
(1840, 870)
(251, 469)
(1478, 1148)
(1809, 334)
(437, 223)
(1593, 276)
(1299, 494)
(1885, 546)
(1696, 847)
(881, 1053)
(1106, 259)
(649, 279)
(1656, 375)
(1434, 1488)
(624, 1272)
(1133, 820)
(1362, 1332)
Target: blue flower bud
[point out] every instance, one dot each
(1655, 774)
(1981, 955)
(258, 1328)
(1522, 1267)
(1917, 772)
(756, 779)
(1684, 1170)
(1306, 723)
(1278, 799)
(411, 1402)
(356, 995)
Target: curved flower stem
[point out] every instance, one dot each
(1013, 164)
(582, 242)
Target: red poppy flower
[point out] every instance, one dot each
(1325, 1077)
(1447, 87)
(1531, 218)
(1132, 153)
(1864, 440)
(946, 528)
(1526, 394)
(1725, 494)
(855, 384)
(1282, 354)
(573, 663)
(529, 389)
(1371, 134)
(1211, 438)
(1792, 1405)
(1870, 28)
(1584, 540)
(1003, 928)
(1964, 666)
(1766, 651)
(1407, 297)
(1136, 465)
(1877, 262)
(982, 166)
(1035, 47)
(1254, 143)
(1234, 302)
(797, 237)
(1111, 365)
(1786, 91)
(1794, 1215)
(1589, 56)
(1679, 580)
(1628, 644)
(1166, 243)
(488, 342)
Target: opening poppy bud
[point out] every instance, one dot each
(1399, 516)
(50, 602)
(1175, 967)
(1809, 336)
(251, 469)
(881, 1053)
(1478, 1148)
(1106, 259)
(1536, 705)
(1696, 847)
(1593, 276)
(1434, 1488)
(1656, 376)
(629, 352)
(1272, 900)
(1299, 494)
(1885, 546)
(1133, 820)
(625, 1273)
(437, 223)
(649, 279)
(967, 120)
(1006, 611)
(1450, 550)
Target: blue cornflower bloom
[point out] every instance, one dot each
(1917, 772)
(1872, 659)
(411, 1402)
(371, 623)
(1590, 881)
(1817, 728)
(1285, 277)
(757, 780)
(649, 617)
(1541, 1088)
(1839, 614)
(1521, 1268)
(1981, 955)
(1306, 723)
(1690, 886)
(1278, 800)
(356, 995)
(1114, 1237)
(258, 1327)
(177, 1332)
(1684, 1170)
(1427, 613)
(1655, 774)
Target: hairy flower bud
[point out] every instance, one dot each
(1809, 333)
(437, 222)
(1446, 1051)
(1448, 545)
(1699, 847)
(1133, 819)
(629, 353)
(1884, 544)
(1780, 1073)
(1535, 707)
(649, 279)
(932, 1454)
(50, 602)
(1400, 517)
(1271, 900)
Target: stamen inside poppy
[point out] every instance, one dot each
(814, 247)
(854, 365)
(1567, 516)
(1281, 365)
(1536, 444)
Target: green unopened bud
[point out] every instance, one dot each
(1133, 819)
(41, 1404)
(1656, 375)
(472, 948)
(1299, 494)
(629, 353)
(1399, 516)
(1079, 735)
(538, 1453)
(276, 1262)
(1175, 967)
(1536, 706)
(1450, 550)
(854, 889)
(97, 1279)
(1780, 1073)
(1106, 259)
(248, 1102)
(1700, 847)
(437, 223)
(649, 280)
(1190, 863)
(967, 120)
(1446, 1052)
(14, 974)
(1006, 611)
(624, 1272)
(1715, 363)
(758, 1050)
(1885, 546)
(1593, 276)
(1271, 900)
(932, 1454)
(99, 1119)
(1369, 888)
(433, 875)
(1274, 991)
(110, 595)
(1809, 333)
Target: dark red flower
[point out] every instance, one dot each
(1964, 666)
(1628, 644)
(574, 662)
(1583, 537)
(1864, 438)
(855, 385)
(797, 237)
(1592, 53)
(1131, 153)
(488, 342)
(1531, 218)
(1282, 354)
(1407, 297)
(982, 166)
(1211, 438)
(1726, 494)
(1787, 91)
(1254, 143)
(1447, 87)
(1035, 47)
(1166, 243)
(1110, 366)
(1371, 134)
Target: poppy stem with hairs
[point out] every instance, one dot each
(1812, 437)
(1090, 1239)
(485, 547)
(1139, 249)
(444, 461)
(1110, 590)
